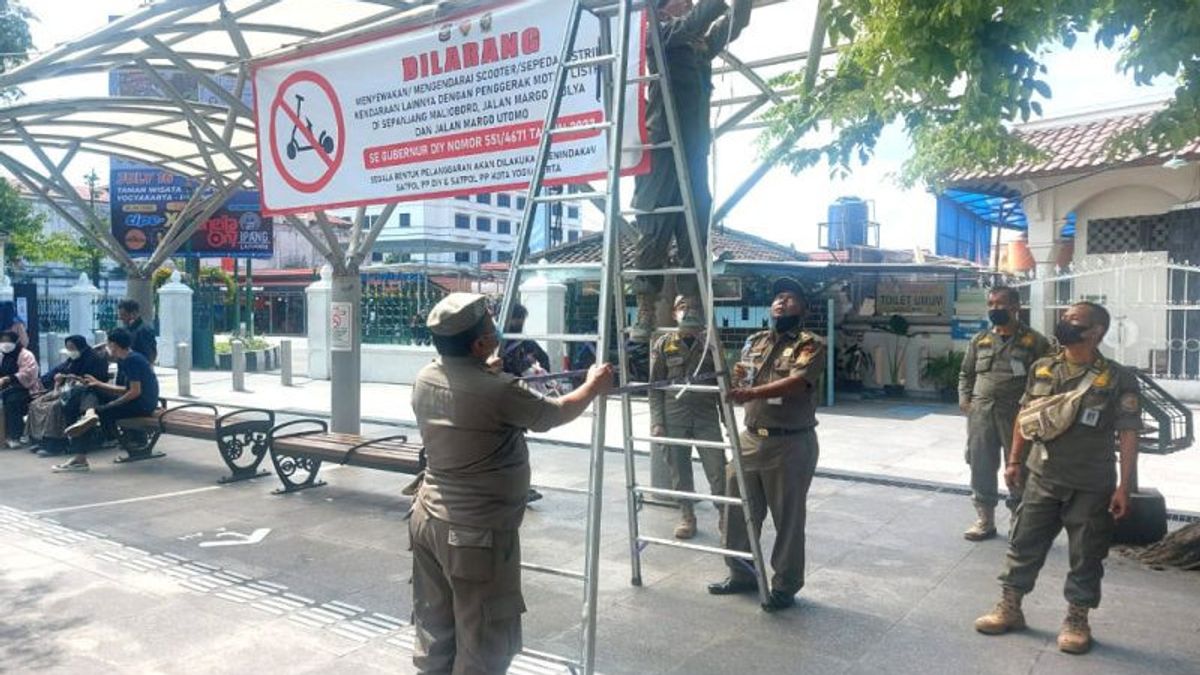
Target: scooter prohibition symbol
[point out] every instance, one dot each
(324, 139)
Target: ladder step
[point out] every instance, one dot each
(677, 494)
(629, 274)
(665, 440)
(572, 664)
(605, 7)
(555, 571)
(652, 77)
(599, 60)
(555, 337)
(540, 267)
(660, 211)
(594, 126)
(744, 555)
(679, 387)
(665, 145)
(570, 197)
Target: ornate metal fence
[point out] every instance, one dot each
(54, 315)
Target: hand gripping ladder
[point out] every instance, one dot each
(612, 60)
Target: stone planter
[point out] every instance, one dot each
(257, 361)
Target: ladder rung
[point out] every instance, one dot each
(654, 273)
(574, 665)
(660, 211)
(652, 77)
(679, 441)
(540, 267)
(581, 127)
(660, 492)
(555, 571)
(590, 61)
(602, 7)
(665, 145)
(744, 555)
(555, 337)
(680, 387)
(569, 197)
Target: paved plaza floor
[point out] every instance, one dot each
(115, 571)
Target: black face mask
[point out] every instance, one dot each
(999, 317)
(1068, 333)
(784, 323)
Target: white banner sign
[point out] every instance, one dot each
(451, 108)
(341, 326)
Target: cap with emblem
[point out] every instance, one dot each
(788, 285)
(456, 313)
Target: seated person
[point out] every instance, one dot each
(18, 384)
(60, 406)
(134, 395)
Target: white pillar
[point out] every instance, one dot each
(174, 318)
(318, 324)
(82, 299)
(547, 304)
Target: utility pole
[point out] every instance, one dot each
(92, 179)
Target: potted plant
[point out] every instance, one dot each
(897, 326)
(942, 372)
(853, 365)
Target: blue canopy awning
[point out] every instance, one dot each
(997, 206)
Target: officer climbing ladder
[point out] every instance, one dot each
(612, 62)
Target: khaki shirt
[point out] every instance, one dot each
(775, 357)
(473, 423)
(1083, 457)
(671, 358)
(995, 367)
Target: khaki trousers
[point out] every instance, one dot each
(467, 601)
(989, 440)
(778, 471)
(1045, 511)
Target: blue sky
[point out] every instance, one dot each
(784, 207)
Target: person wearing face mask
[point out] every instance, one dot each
(990, 385)
(1071, 482)
(18, 383)
(467, 601)
(129, 313)
(66, 397)
(777, 382)
(690, 415)
(135, 394)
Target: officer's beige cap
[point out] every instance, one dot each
(456, 313)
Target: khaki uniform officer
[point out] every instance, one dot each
(779, 446)
(467, 601)
(690, 415)
(990, 385)
(1071, 483)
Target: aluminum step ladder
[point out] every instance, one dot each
(612, 61)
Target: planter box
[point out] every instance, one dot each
(257, 361)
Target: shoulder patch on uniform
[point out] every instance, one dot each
(1130, 402)
(1044, 371)
(985, 341)
(1027, 341)
(1103, 379)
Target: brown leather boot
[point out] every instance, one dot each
(985, 527)
(1007, 616)
(643, 325)
(1075, 636)
(686, 529)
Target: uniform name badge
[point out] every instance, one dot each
(675, 361)
(778, 400)
(1090, 417)
(1018, 368)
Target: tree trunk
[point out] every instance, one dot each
(1180, 548)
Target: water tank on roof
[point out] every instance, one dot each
(849, 218)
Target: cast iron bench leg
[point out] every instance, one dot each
(138, 445)
(296, 473)
(243, 446)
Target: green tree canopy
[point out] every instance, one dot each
(15, 41)
(955, 73)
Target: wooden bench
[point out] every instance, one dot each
(298, 455)
(241, 435)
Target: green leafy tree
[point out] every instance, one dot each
(955, 73)
(21, 222)
(15, 41)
